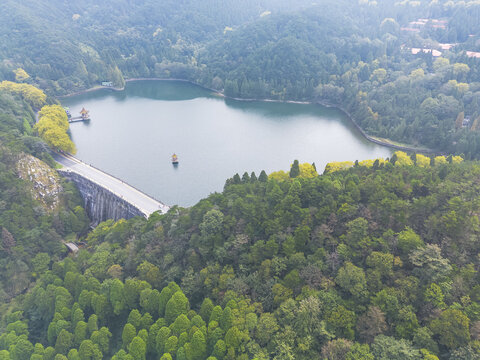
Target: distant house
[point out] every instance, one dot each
(473, 54)
(446, 46)
(466, 121)
(415, 26)
(420, 22)
(72, 247)
(435, 53)
(107, 83)
(409, 29)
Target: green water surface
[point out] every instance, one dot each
(133, 133)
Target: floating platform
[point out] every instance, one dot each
(78, 119)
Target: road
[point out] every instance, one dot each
(140, 200)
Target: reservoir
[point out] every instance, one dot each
(133, 134)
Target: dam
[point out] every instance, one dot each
(105, 196)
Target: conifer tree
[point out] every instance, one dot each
(295, 169)
(263, 176)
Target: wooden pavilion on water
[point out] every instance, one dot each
(85, 114)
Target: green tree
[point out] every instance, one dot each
(180, 325)
(178, 304)
(171, 345)
(22, 350)
(226, 320)
(388, 348)
(137, 348)
(206, 309)
(408, 241)
(73, 355)
(219, 349)
(64, 342)
(41, 263)
(89, 351)
(359, 352)
(92, 324)
(342, 322)
(129, 332)
(352, 280)
(199, 346)
(452, 328)
(117, 298)
(233, 337)
(429, 263)
(122, 355)
(263, 176)
(135, 318)
(267, 326)
(294, 169)
(165, 296)
(302, 237)
(132, 290)
(102, 339)
(161, 339)
(434, 295)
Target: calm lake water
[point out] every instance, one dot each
(133, 134)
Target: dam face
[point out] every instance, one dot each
(100, 203)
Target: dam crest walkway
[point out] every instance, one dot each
(143, 202)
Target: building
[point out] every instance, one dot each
(435, 53)
(84, 113)
(107, 83)
(473, 54)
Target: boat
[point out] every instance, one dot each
(67, 111)
(174, 159)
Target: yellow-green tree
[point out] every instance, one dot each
(21, 75)
(403, 159)
(423, 161)
(53, 126)
(337, 166)
(440, 160)
(307, 171)
(30, 93)
(279, 175)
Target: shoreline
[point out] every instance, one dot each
(221, 94)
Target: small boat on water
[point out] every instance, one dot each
(174, 159)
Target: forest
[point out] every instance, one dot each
(368, 260)
(402, 70)
(378, 260)
(31, 234)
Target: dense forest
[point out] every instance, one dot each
(378, 261)
(31, 231)
(370, 260)
(406, 71)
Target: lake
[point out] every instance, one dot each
(133, 133)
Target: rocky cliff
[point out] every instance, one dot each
(44, 181)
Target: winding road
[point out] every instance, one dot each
(146, 204)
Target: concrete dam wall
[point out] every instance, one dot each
(101, 204)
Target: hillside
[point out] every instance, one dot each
(373, 262)
(37, 209)
(405, 71)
